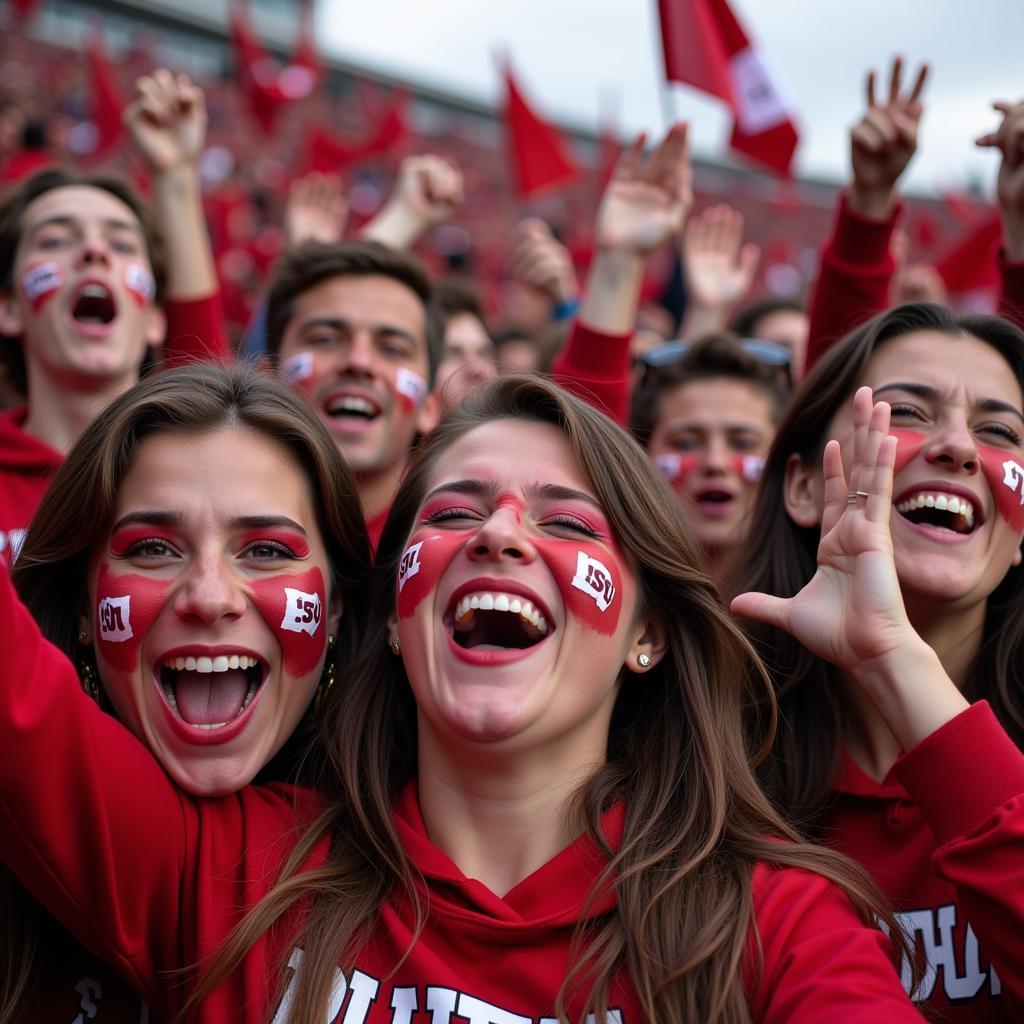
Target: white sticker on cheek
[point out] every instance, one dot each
(302, 612)
(411, 385)
(751, 468)
(409, 566)
(140, 283)
(114, 614)
(298, 368)
(40, 281)
(594, 579)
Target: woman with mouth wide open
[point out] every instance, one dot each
(899, 741)
(538, 804)
(194, 557)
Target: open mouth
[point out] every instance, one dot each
(713, 496)
(942, 511)
(211, 692)
(352, 408)
(496, 621)
(94, 306)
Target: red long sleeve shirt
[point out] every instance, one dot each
(595, 366)
(152, 880)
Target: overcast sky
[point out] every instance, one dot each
(577, 57)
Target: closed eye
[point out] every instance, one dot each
(568, 522)
(448, 515)
(1004, 431)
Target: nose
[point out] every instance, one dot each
(210, 592)
(94, 248)
(359, 357)
(953, 446)
(715, 458)
(502, 538)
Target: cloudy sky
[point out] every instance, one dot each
(576, 58)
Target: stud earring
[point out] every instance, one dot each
(396, 647)
(644, 661)
(327, 679)
(83, 637)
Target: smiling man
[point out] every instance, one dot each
(348, 325)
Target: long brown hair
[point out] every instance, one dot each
(696, 821)
(781, 557)
(50, 572)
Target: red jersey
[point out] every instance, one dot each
(152, 879)
(595, 366)
(943, 836)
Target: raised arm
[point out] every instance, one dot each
(428, 191)
(644, 205)
(856, 264)
(167, 125)
(1008, 138)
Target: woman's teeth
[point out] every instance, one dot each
(221, 663)
(940, 502)
(532, 620)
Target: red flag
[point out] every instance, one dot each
(24, 9)
(257, 72)
(326, 152)
(107, 101)
(537, 152)
(303, 74)
(706, 47)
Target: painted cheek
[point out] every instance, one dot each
(127, 605)
(748, 468)
(1005, 476)
(293, 605)
(40, 283)
(590, 580)
(909, 443)
(140, 284)
(410, 388)
(298, 370)
(676, 467)
(423, 564)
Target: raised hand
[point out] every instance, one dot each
(167, 121)
(884, 140)
(316, 209)
(1008, 138)
(851, 613)
(541, 261)
(719, 267)
(648, 198)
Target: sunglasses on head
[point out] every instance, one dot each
(768, 353)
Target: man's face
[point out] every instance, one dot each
(356, 346)
(82, 291)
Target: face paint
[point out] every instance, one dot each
(1005, 476)
(589, 579)
(40, 283)
(410, 387)
(423, 563)
(749, 467)
(140, 284)
(127, 604)
(292, 604)
(909, 443)
(298, 368)
(676, 467)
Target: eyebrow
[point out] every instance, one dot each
(157, 517)
(700, 428)
(336, 323)
(929, 392)
(489, 489)
(63, 220)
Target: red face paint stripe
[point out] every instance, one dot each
(1004, 472)
(127, 605)
(294, 606)
(40, 283)
(908, 444)
(676, 466)
(589, 578)
(426, 557)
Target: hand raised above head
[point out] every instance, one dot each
(167, 121)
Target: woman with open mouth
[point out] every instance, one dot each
(900, 742)
(538, 802)
(200, 557)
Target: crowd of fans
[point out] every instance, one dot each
(554, 625)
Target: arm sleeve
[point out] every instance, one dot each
(968, 780)
(812, 959)
(853, 278)
(196, 331)
(595, 366)
(88, 821)
(1011, 290)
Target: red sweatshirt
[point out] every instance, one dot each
(595, 366)
(854, 276)
(943, 836)
(152, 879)
(195, 330)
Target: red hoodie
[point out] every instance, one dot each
(153, 879)
(943, 835)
